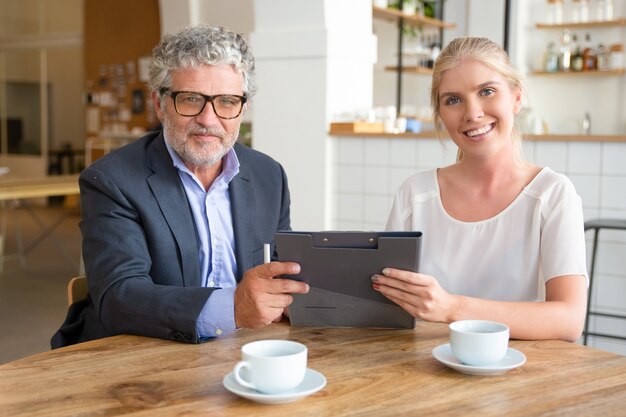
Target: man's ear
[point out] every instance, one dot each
(156, 99)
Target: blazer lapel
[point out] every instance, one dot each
(170, 195)
(242, 201)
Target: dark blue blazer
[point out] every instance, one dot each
(139, 241)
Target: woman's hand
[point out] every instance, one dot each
(419, 294)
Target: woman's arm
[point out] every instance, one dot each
(561, 316)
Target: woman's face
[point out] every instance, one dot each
(478, 107)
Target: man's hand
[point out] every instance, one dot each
(260, 298)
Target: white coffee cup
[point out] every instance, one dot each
(479, 342)
(271, 366)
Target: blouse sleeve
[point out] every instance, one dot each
(563, 235)
(400, 217)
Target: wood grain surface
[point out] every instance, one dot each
(370, 372)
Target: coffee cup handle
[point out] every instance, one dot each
(241, 365)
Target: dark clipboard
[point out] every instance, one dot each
(338, 267)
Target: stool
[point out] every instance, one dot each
(596, 225)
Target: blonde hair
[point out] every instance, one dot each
(487, 53)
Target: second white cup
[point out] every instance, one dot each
(271, 366)
(479, 342)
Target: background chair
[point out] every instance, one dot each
(596, 225)
(77, 289)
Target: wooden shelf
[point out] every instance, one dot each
(594, 73)
(412, 70)
(413, 20)
(608, 23)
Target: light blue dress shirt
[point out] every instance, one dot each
(216, 243)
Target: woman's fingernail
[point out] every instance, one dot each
(386, 271)
(376, 286)
(374, 278)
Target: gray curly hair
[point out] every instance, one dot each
(199, 45)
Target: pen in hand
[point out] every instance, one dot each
(266, 253)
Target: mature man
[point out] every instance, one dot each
(174, 224)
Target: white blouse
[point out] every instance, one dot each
(508, 257)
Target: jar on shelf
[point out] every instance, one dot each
(617, 56)
(604, 58)
(565, 52)
(555, 12)
(579, 11)
(603, 10)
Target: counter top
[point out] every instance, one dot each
(539, 138)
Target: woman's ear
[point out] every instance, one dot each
(517, 104)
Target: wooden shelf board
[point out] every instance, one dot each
(608, 23)
(411, 69)
(415, 20)
(596, 73)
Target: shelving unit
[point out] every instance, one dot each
(619, 22)
(402, 19)
(612, 31)
(394, 15)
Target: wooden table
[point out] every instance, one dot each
(369, 373)
(20, 190)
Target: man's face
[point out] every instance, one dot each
(202, 140)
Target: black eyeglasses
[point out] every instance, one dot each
(189, 104)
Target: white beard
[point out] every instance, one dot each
(192, 153)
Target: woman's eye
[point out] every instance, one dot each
(452, 100)
(487, 92)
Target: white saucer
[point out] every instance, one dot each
(511, 360)
(313, 382)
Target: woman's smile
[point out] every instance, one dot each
(478, 133)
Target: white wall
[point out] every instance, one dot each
(314, 59)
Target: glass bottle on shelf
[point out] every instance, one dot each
(565, 53)
(551, 59)
(604, 58)
(586, 125)
(577, 56)
(590, 60)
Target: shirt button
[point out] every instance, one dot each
(211, 284)
(218, 332)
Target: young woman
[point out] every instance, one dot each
(503, 238)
